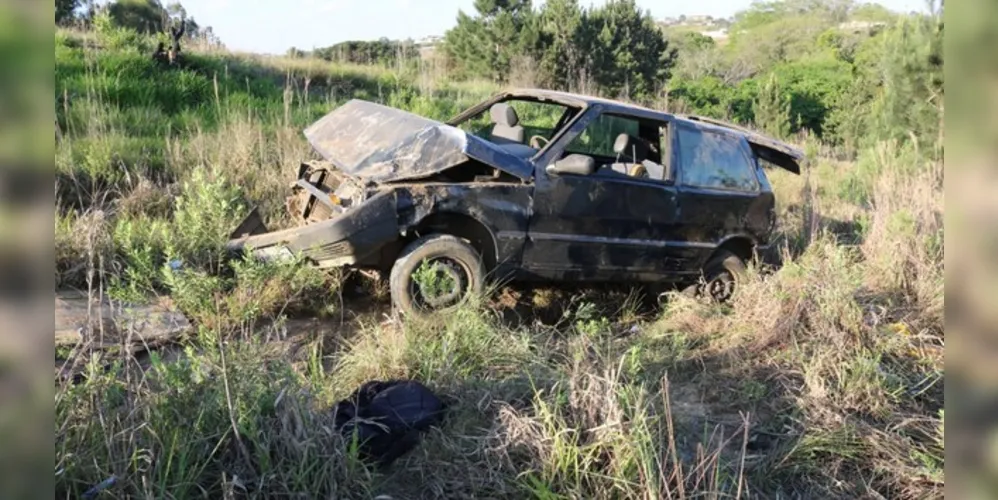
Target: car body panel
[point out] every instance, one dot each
(502, 208)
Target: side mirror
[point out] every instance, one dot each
(573, 164)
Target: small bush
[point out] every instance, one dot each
(258, 291)
(113, 36)
(208, 208)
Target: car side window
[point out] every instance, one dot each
(598, 137)
(714, 160)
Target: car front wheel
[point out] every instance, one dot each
(434, 273)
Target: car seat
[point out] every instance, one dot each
(637, 150)
(506, 126)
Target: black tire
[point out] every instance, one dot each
(460, 262)
(720, 277)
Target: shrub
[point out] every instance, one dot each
(207, 210)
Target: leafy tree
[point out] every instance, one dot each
(558, 30)
(143, 16)
(761, 13)
(910, 97)
(382, 51)
(783, 40)
(708, 96)
(178, 15)
(697, 55)
(815, 87)
(873, 12)
(626, 54)
(616, 47)
(65, 11)
(772, 109)
(486, 45)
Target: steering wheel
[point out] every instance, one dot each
(534, 141)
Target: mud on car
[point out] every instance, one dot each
(528, 185)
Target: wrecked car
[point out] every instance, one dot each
(529, 185)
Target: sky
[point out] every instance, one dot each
(273, 26)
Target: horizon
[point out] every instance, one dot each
(271, 28)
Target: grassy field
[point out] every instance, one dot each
(824, 379)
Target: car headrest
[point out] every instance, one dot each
(634, 147)
(504, 114)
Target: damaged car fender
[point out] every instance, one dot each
(493, 217)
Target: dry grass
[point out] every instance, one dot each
(850, 340)
(847, 363)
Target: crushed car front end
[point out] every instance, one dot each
(354, 204)
(341, 223)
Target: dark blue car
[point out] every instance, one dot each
(529, 185)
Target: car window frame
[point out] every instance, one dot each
(591, 122)
(679, 169)
(592, 114)
(573, 114)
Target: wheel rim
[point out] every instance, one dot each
(722, 287)
(439, 283)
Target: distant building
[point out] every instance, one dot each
(861, 26)
(427, 45)
(697, 20)
(718, 34)
(429, 41)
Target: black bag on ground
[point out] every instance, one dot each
(386, 418)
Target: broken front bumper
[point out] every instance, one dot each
(352, 237)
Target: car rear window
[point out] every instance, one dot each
(713, 160)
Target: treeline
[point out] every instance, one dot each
(846, 72)
(149, 17)
(614, 49)
(382, 52)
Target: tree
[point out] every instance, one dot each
(707, 96)
(178, 15)
(617, 47)
(559, 23)
(65, 11)
(697, 55)
(626, 54)
(382, 51)
(772, 109)
(486, 45)
(873, 12)
(909, 100)
(143, 16)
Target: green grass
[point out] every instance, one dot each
(821, 380)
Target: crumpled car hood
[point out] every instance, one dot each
(382, 144)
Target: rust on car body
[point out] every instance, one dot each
(611, 191)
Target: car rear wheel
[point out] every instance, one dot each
(436, 272)
(720, 278)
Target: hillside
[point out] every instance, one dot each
(823, 379)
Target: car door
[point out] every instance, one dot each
(718, 189)
(604, 226)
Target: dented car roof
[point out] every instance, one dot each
(774, 151)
